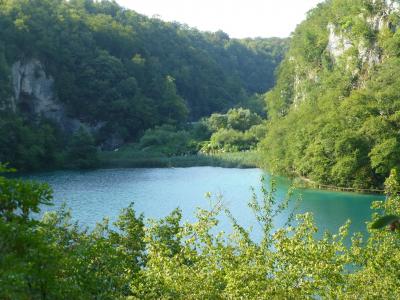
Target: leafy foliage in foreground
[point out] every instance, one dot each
(139, 259)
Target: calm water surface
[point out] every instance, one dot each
(93, 195)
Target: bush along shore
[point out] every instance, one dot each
(304, 182)
(224, 140)
(135, 159)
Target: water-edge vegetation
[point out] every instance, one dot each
(130, 158)
(226, 140)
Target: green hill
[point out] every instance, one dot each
(334, 112)
(114, 72)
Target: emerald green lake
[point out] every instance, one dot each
(93, 195)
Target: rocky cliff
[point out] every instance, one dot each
(34, 96)
(348, 39)
(34, 92)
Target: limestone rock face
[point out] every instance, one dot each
(337, 43)
(34, 92)
(353, 54)
(34, 96)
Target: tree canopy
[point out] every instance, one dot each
(124, 72)
(333, 114)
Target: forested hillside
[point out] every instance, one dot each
(334, 113)
(96, 65)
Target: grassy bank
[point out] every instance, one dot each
(133, 158)
(303, 182)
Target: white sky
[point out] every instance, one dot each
(238, 18)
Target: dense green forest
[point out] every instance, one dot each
(116, 73)
(334, 112)
(135, 258)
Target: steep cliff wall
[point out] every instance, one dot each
(34, 97)
(340, 36)
(34, 92)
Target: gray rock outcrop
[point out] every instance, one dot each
(34, 92)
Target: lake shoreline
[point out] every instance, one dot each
(241, 160)
(305, 182)
(111, 160)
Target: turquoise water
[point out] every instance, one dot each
(93, 195)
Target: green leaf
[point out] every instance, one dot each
(384, 221)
